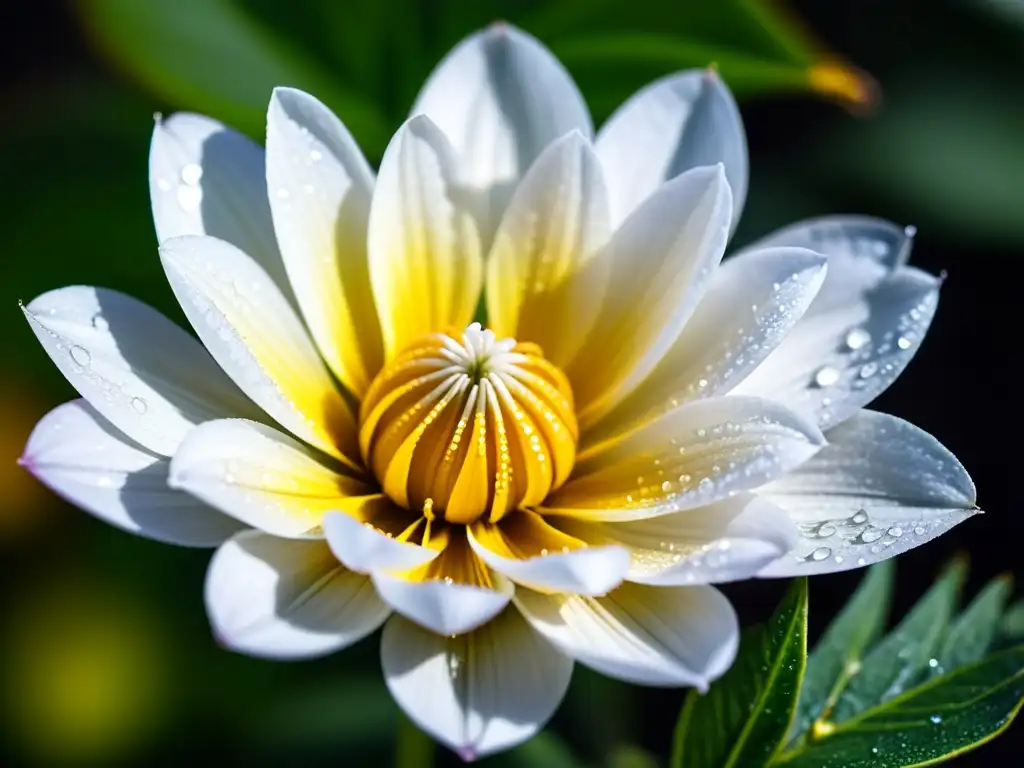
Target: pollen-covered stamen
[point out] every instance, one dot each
(467, 428)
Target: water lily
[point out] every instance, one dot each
(503, 397)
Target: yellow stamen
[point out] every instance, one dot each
(460, 429)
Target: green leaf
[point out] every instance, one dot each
(837, 656)
(898, 659)
(1012, 626)
(944, 717)
(209, 56)
(610, 66)
(742, 721)
(970, 636)
(753, 26)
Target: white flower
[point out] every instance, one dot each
(502, 507)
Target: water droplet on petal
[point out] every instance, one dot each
(139, 405)
(80, 355)
(895, 531)
(826, 376)
(857, 338)
(191, 173)
(819, 554)
(189, 197)
(868, 370)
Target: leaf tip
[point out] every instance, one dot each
(850, 86)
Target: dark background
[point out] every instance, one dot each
(105, 651)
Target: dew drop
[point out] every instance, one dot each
(919, 530)
(80, 355)
(189, 197)
(139, 405)
(903, 342)
(936, 719)
(821, 553)
(826, 376)
(859, 517)
(895, 531)
(857, 338)
(191, 174)
(868, 370)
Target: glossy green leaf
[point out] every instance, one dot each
(944, 717)
(742, 720)
(897, 660)
(838, 655)
(970, 636)
(209, 56)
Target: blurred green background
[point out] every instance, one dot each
(105, 652)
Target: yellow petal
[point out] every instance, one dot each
(265, 478)
(697, 454)
(320, 186)
(543, 286)
(249, 328)
(426, 266)
(660, 262)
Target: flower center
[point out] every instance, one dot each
(468, 427)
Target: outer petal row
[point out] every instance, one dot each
(882, 486)
(85, 459)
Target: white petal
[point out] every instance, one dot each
(664, 636)
(863, 327)
(752, 303)
(426, 264)
(445, 607)
(699, 453)
(287, 599)
(882, 486)
(872, 247)
(730, 540)
(477, 693)
(363, 548)
(501, 97)
(249, 328)
(543, 283)
(585, 571)
(320, 187)
(261, 476)
(80, 456)
(143, 373)
(661, 260)
(679, 122)
(206, 179)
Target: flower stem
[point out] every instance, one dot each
(413, 748)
